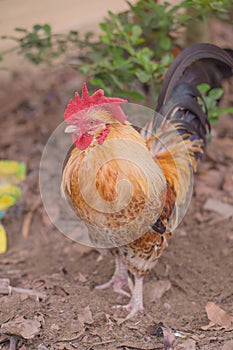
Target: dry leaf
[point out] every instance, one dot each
(82, 278)
(168, 336)
(42, 347)
(21, 327)
(228, 181)
(189, 344)
(228, 345)
(54, 327)
(224, 209)
(86, 316)
(158, 289)
(3, 339)
(208, 326)
(217, 316)
(213, 178)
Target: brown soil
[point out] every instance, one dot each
(74, 315)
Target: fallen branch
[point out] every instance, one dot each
(77, 337)
(139, 347)
(7, 289)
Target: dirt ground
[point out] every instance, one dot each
(71, 314)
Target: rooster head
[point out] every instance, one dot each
(88, 117)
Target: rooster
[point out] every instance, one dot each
(129, 185)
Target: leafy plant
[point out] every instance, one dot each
(218, 8)
(41, 45)
(133, 51)
(211, 99)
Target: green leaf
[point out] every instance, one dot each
(167, 59)
(37, 27)
(103, 26)
(216, 93)
(165, 43)
(116, 81)
(106, 39)
(100, 84)
(203, 88)
(136, 32)
(134, 95)
(220, 111)
(143, 76)
(47, 28)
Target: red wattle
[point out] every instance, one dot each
(82, 141)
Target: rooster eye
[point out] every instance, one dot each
(92, 122)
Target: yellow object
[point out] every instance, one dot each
(3, 240)
(9, 194)
(12, 171)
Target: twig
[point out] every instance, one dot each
(139, 347)
(28, 218)
(102, 343)
(38, 295)
(71, 339)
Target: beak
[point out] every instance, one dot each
(71, 129)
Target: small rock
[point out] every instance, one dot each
(182, 233)
(148, 339)
(167, 305)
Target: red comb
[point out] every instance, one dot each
(97, 98)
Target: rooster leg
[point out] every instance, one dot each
(136, 302)
(119, 278)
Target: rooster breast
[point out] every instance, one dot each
(116, 188)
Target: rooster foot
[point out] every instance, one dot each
(133, 308)
(118, 282)
(119, 278)
(136, 302)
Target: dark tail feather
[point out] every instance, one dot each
(178, 99)
(214, 64)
